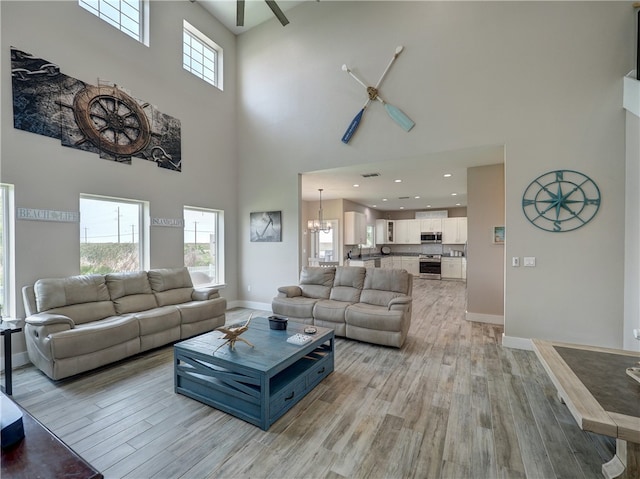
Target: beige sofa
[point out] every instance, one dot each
(79, 323)
(367, 304)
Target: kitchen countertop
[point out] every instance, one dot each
(366, 257)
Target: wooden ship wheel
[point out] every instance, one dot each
(112, 120)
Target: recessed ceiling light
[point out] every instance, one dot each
(447, 175)
(384, 199)
(356, 185)
(457, 204)
(402, 207)
(428, 206)
(397, 181)
(417, 197)
(373, 206)
(454, 194)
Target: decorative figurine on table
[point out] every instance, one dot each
(233, 334)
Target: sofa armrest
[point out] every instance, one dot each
(202, 294)
(289, 291)
(48, 319)
(400, 302)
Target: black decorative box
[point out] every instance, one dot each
(277, 322)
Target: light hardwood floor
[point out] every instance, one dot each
(452, 403)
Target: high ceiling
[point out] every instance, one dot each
(423, 183)
(255, 12)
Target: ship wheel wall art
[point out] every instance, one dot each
(103, 119)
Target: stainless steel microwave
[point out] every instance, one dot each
(431, 237)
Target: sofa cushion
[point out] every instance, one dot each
(316, 281)
(369, 316)
(348, 284)
(94, 336)
(159, 319)
(383, 285)
(174, 296)
(57, 292)
(297, 307)
(130, 292)
(169, 278)
(86, 312)
(196, 311)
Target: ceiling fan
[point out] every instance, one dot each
(272, 5)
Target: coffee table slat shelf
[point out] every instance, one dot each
(259, 384)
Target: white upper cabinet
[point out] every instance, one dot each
(407, 231)
(454, 230)
(355, 228)
(385, 231)
(431, 225)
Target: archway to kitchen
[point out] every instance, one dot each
(475, 189)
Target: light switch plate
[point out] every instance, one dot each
(529, 260)
(515, 261)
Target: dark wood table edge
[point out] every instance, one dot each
(33, 428)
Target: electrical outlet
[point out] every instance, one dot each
(636, 333)
(515, 261)
(249, 288)
(530, 261)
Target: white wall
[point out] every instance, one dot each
(50, 176)
(485, 260)
(632, 235)
(542, 78)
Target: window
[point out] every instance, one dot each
(201, 56)
(6, 250)
(111, 235)
(324, 246)
(127, 16)
(203, 245)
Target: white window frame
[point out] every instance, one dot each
(143, 225)
(190, 36)
(8, 296)
(136, 11)
(219, 269)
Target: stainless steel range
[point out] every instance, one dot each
(430, 266)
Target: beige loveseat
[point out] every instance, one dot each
(79, 323)
(367, 304)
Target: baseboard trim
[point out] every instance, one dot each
(485, 318)
(249, 304)
(517, 343)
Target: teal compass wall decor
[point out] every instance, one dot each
(561, 200)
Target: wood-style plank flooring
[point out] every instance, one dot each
(452, 403)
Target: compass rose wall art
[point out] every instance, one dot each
(561, 200)
(103, 119)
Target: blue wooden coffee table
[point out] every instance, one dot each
(256, 384)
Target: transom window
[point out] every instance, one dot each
(127, 16)
(203, 245)
(111, 235)
(201, 55)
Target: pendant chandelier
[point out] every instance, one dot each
(320, 224)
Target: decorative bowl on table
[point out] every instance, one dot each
(277, 322)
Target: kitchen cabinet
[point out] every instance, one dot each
(411, 264)
(386, 262)
(431, 225)
(355, 228)
(451, 268)
(385, 231)
(367, 263)
(407, 232)
(454, 230)
(464, 268)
